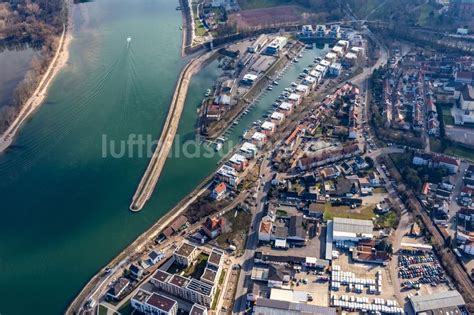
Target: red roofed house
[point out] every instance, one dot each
(265, 229)
(213, 227)
(219, 191)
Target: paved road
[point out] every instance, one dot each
(246, 260)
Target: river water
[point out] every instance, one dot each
(64, 199)
(14, 64)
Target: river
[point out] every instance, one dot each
(14, 64)
(64, 207)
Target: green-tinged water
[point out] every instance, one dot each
(64, 208)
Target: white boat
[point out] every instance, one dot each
(129, 39)
(275, 82)
(300, 55)
(208, 93)
(270, 88)
(294, 84)
(218, 146)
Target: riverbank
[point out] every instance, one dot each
(150, 178)
(59, 60)
(98, 281)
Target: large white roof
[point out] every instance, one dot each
(422, 303)
(343, 225)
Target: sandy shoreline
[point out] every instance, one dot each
(59, 60)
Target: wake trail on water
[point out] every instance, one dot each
(132, 94)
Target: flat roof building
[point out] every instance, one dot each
(198, 310)
(352, 229)
(437, 303)
(185, 254)
(153, 303)
(273, 307)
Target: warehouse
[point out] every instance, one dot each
(352, 229)
(450, 302)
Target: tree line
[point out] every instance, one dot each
(33, 23)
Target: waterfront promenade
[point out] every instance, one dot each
(157, 162)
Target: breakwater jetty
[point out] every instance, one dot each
(150, 177)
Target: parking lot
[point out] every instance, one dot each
(314, 284)
(420, 270)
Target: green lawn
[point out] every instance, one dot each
(447, 117)
(259, 4)
(452, 149)
(427, 14)
(281, 213)
(362, 213)
(199, 29)
(460, 152)
(389, 219)
(380, 190)
(222, 278)
(216, 298)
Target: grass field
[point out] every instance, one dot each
(260, 4)
(427, 14)
(380, 190)
(389, 219)
(199, 29)
(447, 118)
(362, 213)
(452, 149)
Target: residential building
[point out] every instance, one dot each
(286, 108)
(467, 98)
(228, 175)
(154, 257)
(249, 150)
(153, 303)
(294, 98)
(249, 79)
(268, 128)
(276, 45)
(213, 227)
(307, 31)
(117, 289)
(198, 310)
(136, 271)
(265, 229)
(219, 191)
(238, 162)
(328, 156)
(465, 225)
(277, 118)
(215, 259)
(190, 289)
(335, 69)
(185, 254)
(259, 139)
